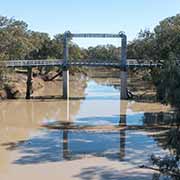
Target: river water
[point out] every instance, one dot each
(93, 135)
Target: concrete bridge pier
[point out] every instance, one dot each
(123, 74)
(124, 91)
(66, 84)
(29, 83)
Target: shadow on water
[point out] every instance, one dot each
(61, 145)
(76, 98)
(109, 173)
(133, 146)
(53, 97)
(57, 145)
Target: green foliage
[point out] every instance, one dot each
(18, 42)
(143, 48)
(167, 82)
(13, 39)
(162, 44)
(108, 52)
(167, 35)
(159, 44)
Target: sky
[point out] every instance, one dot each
(90, 16)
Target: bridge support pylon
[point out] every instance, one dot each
(66, 84)
(123, 74)
(29, 83)
(124, 91)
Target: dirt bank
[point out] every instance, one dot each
(15, 86)
(142, 90)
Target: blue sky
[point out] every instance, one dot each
(106, 16)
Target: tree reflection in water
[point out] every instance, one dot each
(168, 166)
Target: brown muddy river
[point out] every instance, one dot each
(93, 135)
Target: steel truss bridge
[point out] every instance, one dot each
(131, 63)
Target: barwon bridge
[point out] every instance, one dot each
(65, 63)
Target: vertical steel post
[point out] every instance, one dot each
(29, 83)
(65, 68)
(122, 122)
(123, 76)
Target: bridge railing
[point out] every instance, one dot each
(31, 63)
(78, 62)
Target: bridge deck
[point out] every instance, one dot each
(59, 62)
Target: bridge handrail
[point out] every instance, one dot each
(56, 62)
(12, 63)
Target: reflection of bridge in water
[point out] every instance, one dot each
(67, 126)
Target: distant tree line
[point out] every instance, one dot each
(18, 42)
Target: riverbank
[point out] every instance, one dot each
(15, 85)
